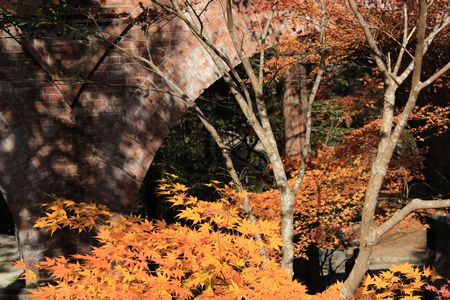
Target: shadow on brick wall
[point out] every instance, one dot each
(87, 136)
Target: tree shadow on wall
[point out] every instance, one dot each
(87, 147)
(90, 134)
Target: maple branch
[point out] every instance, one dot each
(195, 16)
(228, 14)
(370, 38)
(406, 37)
(264, 129)
(220, 60)
(206, 7)
(434, 76)
(110, 84)
(440, 25)
(53, 76)
(147, 63)
(254, 80)
(415, 82)
(415, 204)
(262, 55)
(396, 40)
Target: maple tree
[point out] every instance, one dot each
(330, 199)
(392, 126)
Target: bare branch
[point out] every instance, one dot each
(412, 206)
(255, 82)
(195, 16)
(206, 7)
(264, 33)
(434, 76)
(440, 25)
(406, 38)
(228, 13)
(386, 150)
(370, 38)
(221, 61)
(390, 35)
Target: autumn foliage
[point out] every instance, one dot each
(214, 251)
(211, 253)
(329, 200)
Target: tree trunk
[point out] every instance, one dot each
(379, 167)
(295, 105)
(287, 230)
(360, 268)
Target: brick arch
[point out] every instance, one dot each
(148, 118)
(95, 140)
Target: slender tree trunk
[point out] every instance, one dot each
(367, 235)
(295, 108)
(389, 138)
(287, 230)
(357, 274)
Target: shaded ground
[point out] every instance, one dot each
(10, 287)
(399, 246)
(403, 244)
(8, 254)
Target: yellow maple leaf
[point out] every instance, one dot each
(427, 271)
(28, 275)
(20, 264)
(412, 298)
(403, 268)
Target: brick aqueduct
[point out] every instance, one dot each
(74, 125)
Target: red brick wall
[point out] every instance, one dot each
(94, 141)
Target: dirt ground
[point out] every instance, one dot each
(405, 243)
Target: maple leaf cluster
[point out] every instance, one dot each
(431, 120)
(211, 253)
(342, 37)
(442, 293)
(399, 282)
(64, 213)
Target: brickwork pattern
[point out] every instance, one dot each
(73, 123)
